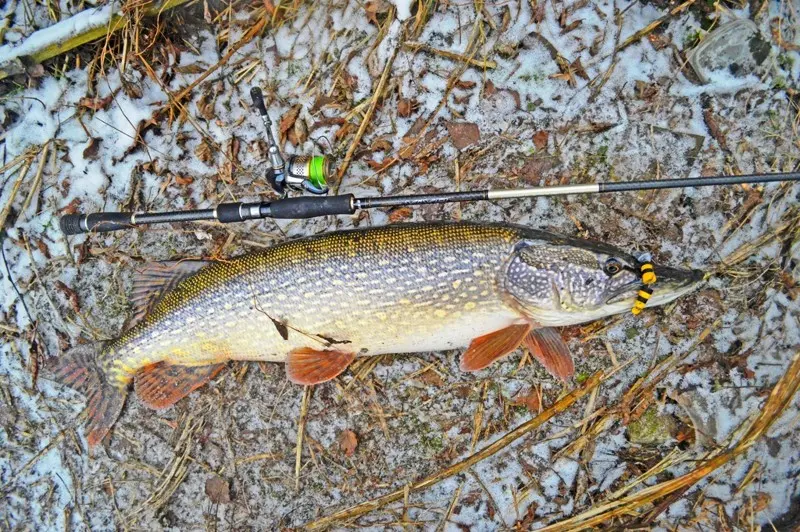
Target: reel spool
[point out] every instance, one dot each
(303, 173)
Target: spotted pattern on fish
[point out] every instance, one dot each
(396, 289)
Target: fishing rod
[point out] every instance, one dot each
(315, 206)
(302, 173)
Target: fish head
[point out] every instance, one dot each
(564, 281)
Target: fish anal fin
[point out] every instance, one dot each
(485, 349)
(549, 348)
(162, 385)
(313, 366)
(155, 279)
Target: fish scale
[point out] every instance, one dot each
(376, 291)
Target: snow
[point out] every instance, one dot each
(85, 21)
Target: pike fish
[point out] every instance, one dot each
(318, 303)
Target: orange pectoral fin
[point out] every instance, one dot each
(547, 346)
(486, 349)
(313, 366)
(162, 385)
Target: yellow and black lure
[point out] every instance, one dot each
(648, 280)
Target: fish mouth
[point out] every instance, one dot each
(670, 284)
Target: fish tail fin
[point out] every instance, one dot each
(79, 370)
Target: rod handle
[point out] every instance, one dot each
(258, 100)
(309, 206)
(99, 222)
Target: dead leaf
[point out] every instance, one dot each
(399, 214)
(203, 152)
(540, 139)
(714, 129)
(348, 442)
(432, 378)
(343, 131)
(184, 180)
(90, 152)
(287, 122)
(538, 12)
(532, 399)
(70, 294)
(488, 88)
(405, 107)
(95, 104)
(463, 134)
(571, 26)
(299, 133)
(218, 490)
(373, 8)
(466, 85)
(577, 68)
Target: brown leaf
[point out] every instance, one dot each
(538, 12)
(405, 107)
(70, 294)
(571, 26)
(714, 129)
(378, 166)
(540, 139)
(287, 121)
(95, 104)
(463, 134)
(90, 152)
(342, 131)
(489, 88)
(184, 180)
(218, 490)
(432, 378)
(531, 399)
(466, 85)
(373, 8)
(577, 68)
(399, 214)
(203, 152)
(348, 442)
(381, 144)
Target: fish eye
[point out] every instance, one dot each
(612, 267)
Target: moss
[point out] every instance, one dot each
(651, 428)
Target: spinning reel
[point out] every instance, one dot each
(300, 173)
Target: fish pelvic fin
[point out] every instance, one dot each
(493, 346)
(313, 366)
(79, 370)
(162, 385)
(549, 348)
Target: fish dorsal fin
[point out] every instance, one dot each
(313, 366)
(155, 279)
(162, 385)
(486, 349)
(548, 347)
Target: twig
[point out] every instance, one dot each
(376, 96)
(417, 46)
(653, 25)
(13, 194)
(490, 450)
(778, 400)
(37, 180)
(301, 428)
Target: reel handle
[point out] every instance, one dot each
(258, 100)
